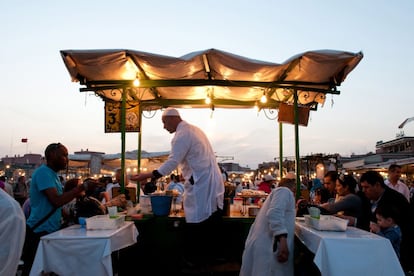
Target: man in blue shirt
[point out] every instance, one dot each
(46, 197)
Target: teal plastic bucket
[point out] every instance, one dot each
(161, 204)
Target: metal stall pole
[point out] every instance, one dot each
(280, 149)
(139, 151)
(123, 116)
(297, 156)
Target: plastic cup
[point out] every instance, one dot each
(314, 212)
(112, 211)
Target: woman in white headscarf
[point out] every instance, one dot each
(269, 245)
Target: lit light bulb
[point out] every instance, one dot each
(136, 82)
(263, 99)
(208, 100)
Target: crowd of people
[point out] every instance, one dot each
(46, 203)
(383, 207)
(52, 201)
(369, 202)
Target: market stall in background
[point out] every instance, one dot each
(95, 164)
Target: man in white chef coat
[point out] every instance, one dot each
(204, 187)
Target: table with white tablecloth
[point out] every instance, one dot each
(77, 251)
(352, 252)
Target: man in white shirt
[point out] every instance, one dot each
(13, 229)
(394, 182)
(203, 184)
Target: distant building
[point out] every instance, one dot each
(234, 167)
(27, 159)
(17, 165)
(87, 151)
(83, 163)
(402, 144)
(397, 151)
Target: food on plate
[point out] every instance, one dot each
(250, 192)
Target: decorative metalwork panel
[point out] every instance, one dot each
(113, 117)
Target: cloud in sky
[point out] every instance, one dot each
(40, 102)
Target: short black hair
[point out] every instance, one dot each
(389, 211)
(324, 193)
(392, 167)
(333, 175)
(52, 148)
(372, 177)
(348, 180)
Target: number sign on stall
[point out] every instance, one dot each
(113, 117)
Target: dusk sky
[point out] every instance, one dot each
(40, 103)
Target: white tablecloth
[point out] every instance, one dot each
(77, 251)
(353, 252)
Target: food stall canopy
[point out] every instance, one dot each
(229, 80)
(209, 79)
(149, 160)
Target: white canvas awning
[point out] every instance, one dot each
(231, 81)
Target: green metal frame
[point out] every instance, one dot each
(124, 85)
